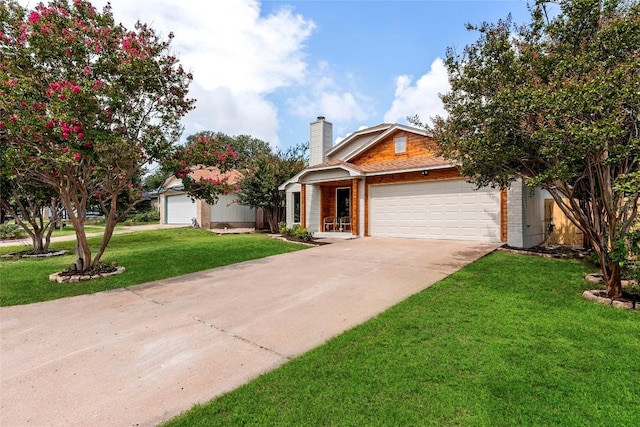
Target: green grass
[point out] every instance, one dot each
(146, 256)
(506, 341)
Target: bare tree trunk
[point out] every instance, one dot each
(106, 237)
(77, 217)
(611, 275)
(53, 219)
(614, 281)
(112, 219)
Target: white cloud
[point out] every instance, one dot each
(325, 97)
(422, 98)
(236, 55)
(233, 111)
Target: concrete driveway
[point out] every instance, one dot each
(141, 355)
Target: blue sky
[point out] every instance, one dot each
(268, 68)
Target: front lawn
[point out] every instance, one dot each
(506, 341)
(146, 256)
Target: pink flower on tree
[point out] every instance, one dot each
(97, 85)
(34, 17)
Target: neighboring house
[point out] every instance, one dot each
(176, 207)
(387, 181)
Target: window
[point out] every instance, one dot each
(401, 144)
(296, 207)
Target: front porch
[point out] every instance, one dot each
(338, 208)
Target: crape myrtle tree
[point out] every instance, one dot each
(259, 187)
(34, 207)
(85, 105)
(204, 150)
(263, 170)
(556, 103)
(213, 149)
(245, 147)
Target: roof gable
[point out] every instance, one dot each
(385, 148)
(384, 136)
(356, 140)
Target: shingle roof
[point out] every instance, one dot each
(331, 163)
(233, 176)
(410, 163)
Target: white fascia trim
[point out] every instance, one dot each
(297, 179)
(352, 172)
(424, 168)
(354, 135)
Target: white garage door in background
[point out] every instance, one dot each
(450, 210)
(179, 209)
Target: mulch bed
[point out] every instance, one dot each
(555, 251)
(30, 253)
(312, 242)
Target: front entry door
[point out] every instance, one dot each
(343, 202)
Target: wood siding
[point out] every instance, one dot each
(503, 215)
(366, 207)
(328, 207)
(417, 146)
(354, 206)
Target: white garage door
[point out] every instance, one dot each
(179, 209)
(450, 210)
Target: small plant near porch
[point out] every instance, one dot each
(296, 231)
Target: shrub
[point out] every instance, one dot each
(11, 231)
(148, 216)
(295, 231)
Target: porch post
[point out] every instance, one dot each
(303, 205)
(355, 204)
(503, 215)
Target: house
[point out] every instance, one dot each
(176, 207)
(387, 181)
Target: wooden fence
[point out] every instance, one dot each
(559, 230)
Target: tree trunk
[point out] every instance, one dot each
(613, 280)
(53, 220)
(610, 274)
(36, 240)
(106, 237)
(83, 251)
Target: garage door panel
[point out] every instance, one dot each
(180, 209)
(437, 210)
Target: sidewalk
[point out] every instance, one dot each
(121, 230)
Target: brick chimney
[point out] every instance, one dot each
(320, 140)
